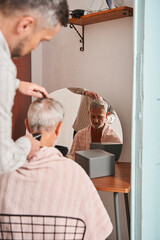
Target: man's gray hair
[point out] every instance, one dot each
(44, 114)
(99, 104)
(51, 11)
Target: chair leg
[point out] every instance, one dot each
(127, 212)
(117, 217)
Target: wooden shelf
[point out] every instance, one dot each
(103, 16)
(98, 17)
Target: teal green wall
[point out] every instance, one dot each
(146, 122)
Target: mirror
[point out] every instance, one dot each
(75, 104)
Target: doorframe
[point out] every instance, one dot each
(145, 160)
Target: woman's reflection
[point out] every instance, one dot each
(82, 119)
(98, 129)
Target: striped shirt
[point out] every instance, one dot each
(82, 139)
(51, 184)
(12, 154)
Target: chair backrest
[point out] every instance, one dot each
(38, 227)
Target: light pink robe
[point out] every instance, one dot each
(82, 139)
(51, 184)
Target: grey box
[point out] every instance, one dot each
(114, 148)
(96, 162)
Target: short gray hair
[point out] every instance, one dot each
(51, 11)
(44, 114)
(98, 104)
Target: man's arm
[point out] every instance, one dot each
(12, 154)
(85, 92)
(80, 91)
(32, 89)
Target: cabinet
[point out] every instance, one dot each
(102, 16)
(21, 102)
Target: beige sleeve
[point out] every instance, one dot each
(80, 91)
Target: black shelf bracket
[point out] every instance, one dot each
(80, 35)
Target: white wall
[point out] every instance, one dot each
(105, 67)
(37, 64)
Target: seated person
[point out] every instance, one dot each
(50, 184)
(98, 130)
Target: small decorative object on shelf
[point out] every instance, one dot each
(109, 3)
(118, 3)
(77, 13)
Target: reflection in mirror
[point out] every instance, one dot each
(99, 123)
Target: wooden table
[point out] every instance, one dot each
(120, 183)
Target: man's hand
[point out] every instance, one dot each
(35, 146)
(32, 89)
(92, 94)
